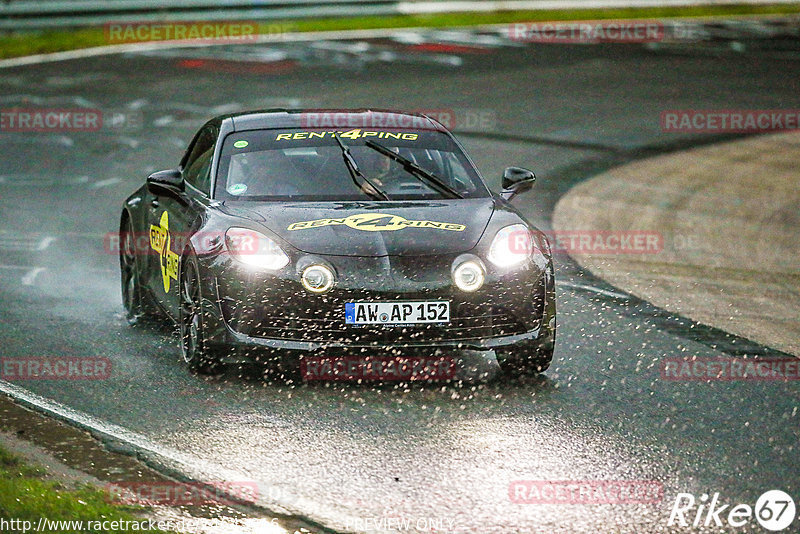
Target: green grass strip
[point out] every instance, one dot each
(26, 495)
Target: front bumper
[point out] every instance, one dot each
(247, 311)
(311, 346)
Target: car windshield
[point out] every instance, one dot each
(305, 164)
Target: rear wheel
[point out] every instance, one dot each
(139, 308)
(131, 289)
(193, 346)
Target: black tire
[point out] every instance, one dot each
(517, 362)
(194, 351)
(129, 271)
(534, 357)
(280, 365)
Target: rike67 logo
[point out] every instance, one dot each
(774, 510)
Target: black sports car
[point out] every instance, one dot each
(288, 233)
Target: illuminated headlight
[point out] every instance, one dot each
(469, 276)
(317, 278)
(511, 246)
(254, 249)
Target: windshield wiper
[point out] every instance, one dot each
(355, 172)
(427, 178)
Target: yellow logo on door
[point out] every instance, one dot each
(160, 242)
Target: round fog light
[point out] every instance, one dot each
(469, 276)
(317, 278)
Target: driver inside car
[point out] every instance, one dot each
(263, 174)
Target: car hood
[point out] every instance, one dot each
(375, 228)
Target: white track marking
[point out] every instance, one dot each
(351, 47)
(30, 278)
(106, 182)
(45, 242)
(24, 244)
(137, 104)
(593, 289)
(83, 102)
(129, 142)
(164, 121)
(454, 37)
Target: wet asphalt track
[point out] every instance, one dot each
(345, 455)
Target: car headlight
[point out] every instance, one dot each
(317, 278)
(469, 276)
(511, 246)
(254, 249)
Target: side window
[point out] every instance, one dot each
(198, 164)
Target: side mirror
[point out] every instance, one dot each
(516, 180)
(169, 179)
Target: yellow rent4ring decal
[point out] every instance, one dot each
(351, 134)
(376, 222)
(160, 242)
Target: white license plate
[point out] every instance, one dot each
(393, 313)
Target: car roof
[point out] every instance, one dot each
(327, 118)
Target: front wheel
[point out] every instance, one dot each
(193, 347)
(517, 361)
(534, 357)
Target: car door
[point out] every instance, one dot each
(174, 215)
